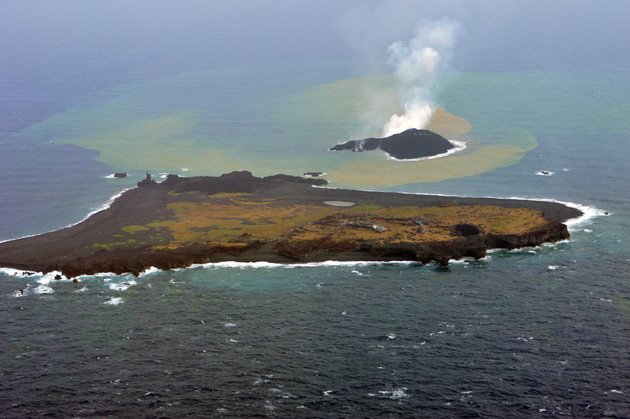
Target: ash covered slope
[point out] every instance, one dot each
(410, 144)
(284, 219)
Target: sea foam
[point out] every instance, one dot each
(123, 286)
(149, 271)
(397, 394)
(41, 278)
(43, 289)
(114, 301)
(50, 277)
(272, 265)
(14, 272)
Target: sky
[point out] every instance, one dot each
(254, 31)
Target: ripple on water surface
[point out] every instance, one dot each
(315, 341)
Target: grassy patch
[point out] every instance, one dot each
(111, 246)
(134, 229)
(224, 218)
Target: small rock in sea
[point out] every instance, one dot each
(120, 175)
(313, 174)
(57, 277)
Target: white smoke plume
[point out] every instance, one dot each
(416, 66)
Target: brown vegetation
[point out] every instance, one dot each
(277, 219)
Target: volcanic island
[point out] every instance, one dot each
(283, 219)
(411, 144)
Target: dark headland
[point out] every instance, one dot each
(284, 219)
(407, 145)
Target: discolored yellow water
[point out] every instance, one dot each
(205, 131)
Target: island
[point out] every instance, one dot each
(284, 219)
(410, 144)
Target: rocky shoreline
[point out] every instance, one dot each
(281, 219)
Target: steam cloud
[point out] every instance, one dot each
(415, 68)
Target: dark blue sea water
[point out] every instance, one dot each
(90, 89)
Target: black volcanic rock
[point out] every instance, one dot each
(232, 182)
(313, 174)
(410, 144)
(120, 175)
(465, 230)
(147, 181)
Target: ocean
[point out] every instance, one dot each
(88, 90)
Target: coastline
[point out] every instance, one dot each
(588, 214)
(102, 207)
(85, 248)
(46, 278)
(588, 211)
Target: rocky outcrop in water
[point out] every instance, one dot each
(407, 145)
